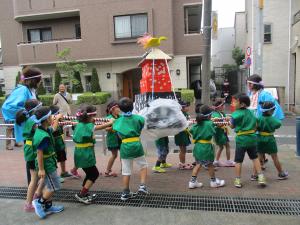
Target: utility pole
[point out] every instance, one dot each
(207, 54)
(257, 37)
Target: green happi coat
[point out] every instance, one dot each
(203, 131)
(112, 139)
(244, 121)
(183, 138)
(84, 157)
(28, 132)
(130, 127)
(162, 142)
(49, 153)
(266, 126)
(221, 132)
(59, 139)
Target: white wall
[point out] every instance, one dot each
(240, 30)
(222, 47)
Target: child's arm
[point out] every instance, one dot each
(40, 157)
(55, 121)
(232, 125)
(105, 125)
(108, 129)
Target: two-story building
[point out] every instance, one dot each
(102, 34)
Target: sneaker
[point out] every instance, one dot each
(238, 182)
(39, 209)
(54, 209)
(196, 184)
(28, 207)
(143, 189)
(125, 196)
(65, 175)
(262, 180)
(229, 163)
(75, 174)
(157, 169)
(61, 180)
(283, 175)
(254, 177)
(216, 163)
(85, 199)
(92, 197)
(217, 183)
(165, 165)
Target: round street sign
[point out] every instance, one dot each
(248, 51)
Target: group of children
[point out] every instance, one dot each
(44, 144)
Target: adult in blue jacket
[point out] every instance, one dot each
(30, 79)
(258, 95)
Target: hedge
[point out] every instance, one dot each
(47, 100)
(97, 98)
(187, 95)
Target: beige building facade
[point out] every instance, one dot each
(102, 34)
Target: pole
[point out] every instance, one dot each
(289, 55)
(207, 48)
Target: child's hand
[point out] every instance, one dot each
(42, 174)
(59, 117)
(108, 129)
(111, 121)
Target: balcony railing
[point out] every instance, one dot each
(45, 52)
(30, 10)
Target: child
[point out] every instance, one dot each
(43, 142)
(129, 128)
(183, 140)
(24, 116)
(162, 145)
(84, 155)
(244, 122)
(203, 151)
(60, 147)
(113, 141)
(221, 137)
(266, 126)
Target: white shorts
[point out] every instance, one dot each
(127, 164)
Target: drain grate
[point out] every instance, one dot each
(186, 202)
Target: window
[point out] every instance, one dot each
(192, 19)
(77, 31)
(267, 33)
(41, 34)
(88, 83)
(48, 84)
(131, 26)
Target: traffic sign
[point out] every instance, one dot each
(248, 61)
(248, 51)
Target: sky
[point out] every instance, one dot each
(226, 11)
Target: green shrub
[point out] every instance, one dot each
(97, 98)
(41, 89)
(77, 85)
(187, 95)
(57, 81)
(95, 86)
(47, 100)
(2, 99)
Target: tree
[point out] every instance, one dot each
(238, 55)
(70, 68)
(77, 87)
(57, 81)
(18, 78)
(41, 89)
(1, 93)
(95, 86)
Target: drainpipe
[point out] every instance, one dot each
(289, 55)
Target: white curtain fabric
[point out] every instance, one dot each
(46, 35)
(139, 25)
(34, 35)
(122, 27)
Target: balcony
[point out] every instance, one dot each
(33, 10)
(45, 52)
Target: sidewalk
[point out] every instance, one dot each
(12, 173)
